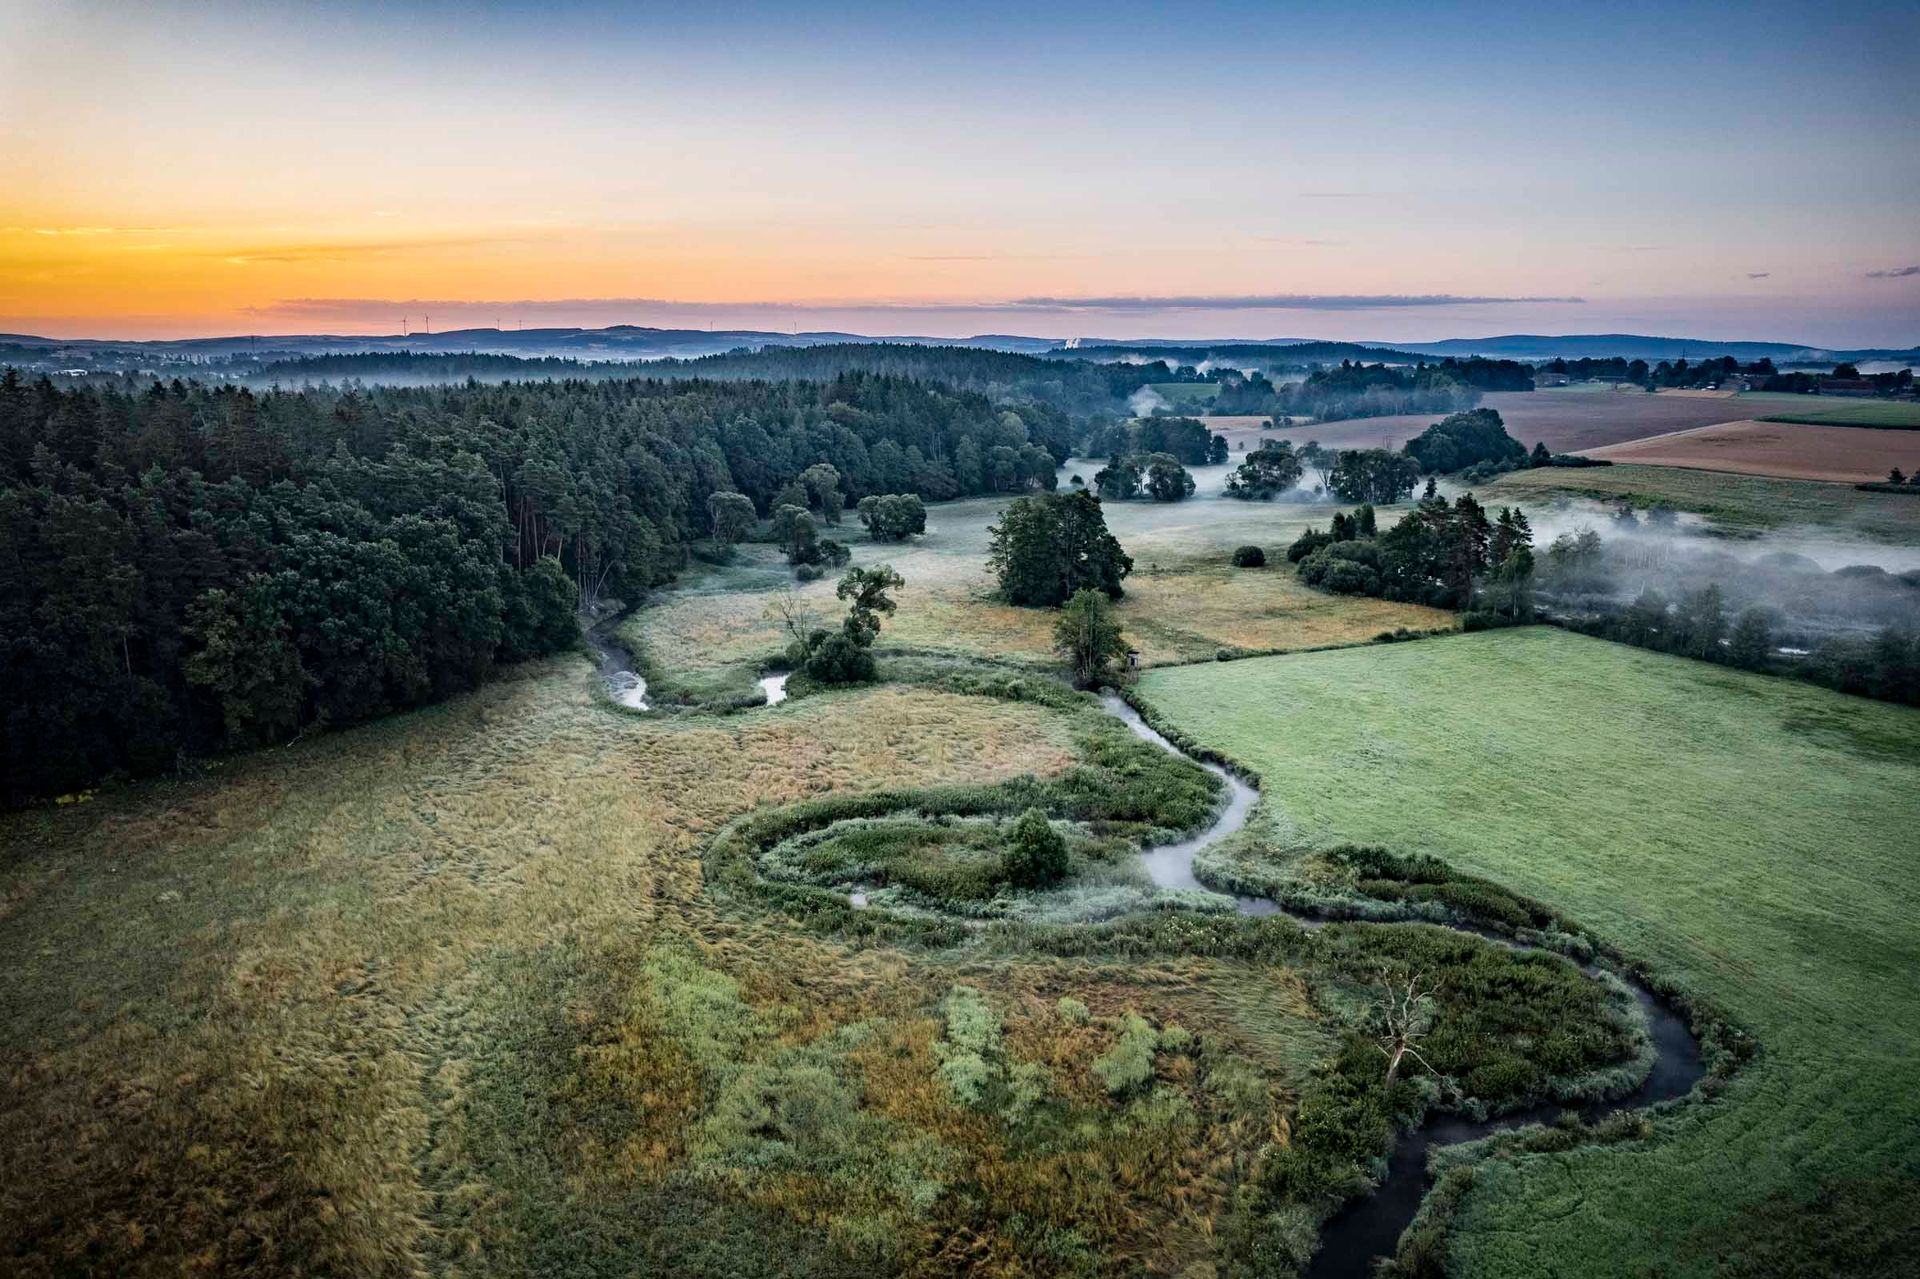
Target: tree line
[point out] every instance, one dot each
(1074, 386)
(187, 568)
(1447, 554)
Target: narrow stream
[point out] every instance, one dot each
(629, 688)
(1368, 1229)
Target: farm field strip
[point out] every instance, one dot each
(1566, 420)
(1774, 446)
(1736, 503)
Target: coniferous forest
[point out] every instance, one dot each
(185, 569)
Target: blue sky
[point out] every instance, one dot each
(1122, 169)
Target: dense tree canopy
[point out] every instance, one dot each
(1461, 440)
(1373, 475)
(1187, 440)
(1046, 548)
(185, 568)
(1265, 473)
(1447, 554)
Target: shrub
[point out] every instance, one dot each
(1072, 1011)
(1036, 852)
(809, 572)
(1128, 1065)
(1249, 557)
(836, 659)
(1306, 544)
(1349, 577)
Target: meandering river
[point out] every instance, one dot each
(1369, 1228)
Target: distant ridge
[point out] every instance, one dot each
(1637, 346)
(636, 342)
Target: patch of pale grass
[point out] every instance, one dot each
(233, 1001)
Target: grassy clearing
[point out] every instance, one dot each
(1750, 837)
(1186, 395)
(1884, 414)
(450, 994)
(1735, 501)
(707, 637)
(241, 1017)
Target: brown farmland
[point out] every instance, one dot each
(1841, 453)
(1572, 420)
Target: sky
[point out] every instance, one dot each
(1393, 172)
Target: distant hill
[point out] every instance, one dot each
(1268, 354)
(1077, 386)
(1635, 346)
(637, 342)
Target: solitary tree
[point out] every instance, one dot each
(1167, 480)
(731, 515)
(799, 535)
(867, 589)
(1088, 636)
(1402, 1017)
(1047, 547)
(1267, 472)
(1036, 855)
(822, 483)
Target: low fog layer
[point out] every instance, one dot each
(1812, 584)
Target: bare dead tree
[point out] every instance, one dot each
(1402, 1017)
(795, 615)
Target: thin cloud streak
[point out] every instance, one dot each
(1274, 302)
(1898, 273)
(354, 307)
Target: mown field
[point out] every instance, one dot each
(1751, 837)
(1184, 602)
(1781, 447)
(1566, 419)
(1879, 414)
(1734, 501)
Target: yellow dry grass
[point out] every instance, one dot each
(262, 1022)
(1184, 602)
(232, 1001)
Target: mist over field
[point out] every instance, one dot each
(1812, 584)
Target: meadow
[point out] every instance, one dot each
(1787, 447)
(1879, 414)
(1735, 503)
(1749, 838)
(709, 635)
(455, 994)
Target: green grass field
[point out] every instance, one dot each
(1734, 501)
(1751, 837)
(1886, 414)
(1186, 395)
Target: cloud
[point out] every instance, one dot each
(1270, 302)
(1340, 195)
(346, 250)
(1758, 275)
(1311, 244)
(639, 310)
(88, 230)
(1898, 273)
